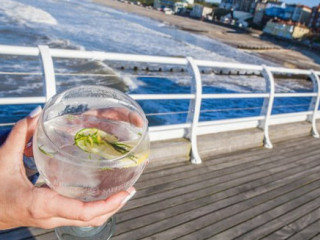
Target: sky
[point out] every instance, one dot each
(310, 3)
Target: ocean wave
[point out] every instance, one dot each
(64, 44)
(248, 84)
(24, 14)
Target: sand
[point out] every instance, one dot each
(281, 52)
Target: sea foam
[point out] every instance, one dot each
(24, 13)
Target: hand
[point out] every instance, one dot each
(121, 114)
(22, 204)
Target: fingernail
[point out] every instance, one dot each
(35, 112)
(131, 194)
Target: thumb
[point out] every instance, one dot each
(21, 133)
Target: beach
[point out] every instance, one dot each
(281, 52)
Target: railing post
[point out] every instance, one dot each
(47, 67)
(267, 106)
(194, 109)
(314, 105)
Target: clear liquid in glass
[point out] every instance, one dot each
(82, 175)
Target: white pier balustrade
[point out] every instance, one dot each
(192, 127)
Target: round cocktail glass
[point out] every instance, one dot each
(90, 143)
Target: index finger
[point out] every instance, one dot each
(20, 135)
(121, 114)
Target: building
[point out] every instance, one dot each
(171, 4)
(300, 13)
(226, 4)
(199, 11)
(266, 10)
(179, 7)
(163, 4)
(190, 2)
(291, 12)
(242, 5)
(276, 10)
(287, 12)
(287, 30)
(314, 20)
(245, 5)
(259, 13)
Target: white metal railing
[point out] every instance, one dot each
(192, 128)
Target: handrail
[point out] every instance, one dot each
(192, 128)
(194, 109)
(267, 105)
(314, 105)
(48, 71)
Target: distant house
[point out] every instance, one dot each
(288, 12)
(191, 2)
(288, 30)
(275, 11)
(161, 4)
(179, 7)
(245, 5)
(314, 20)
(266, 10)
(298, 13)
(259, 13)
(241, 5)
(172, 4)
(199, 11)
(226, 4)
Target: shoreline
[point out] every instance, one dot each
(291, 56)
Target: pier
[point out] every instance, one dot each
(248, 194)
(254, 177)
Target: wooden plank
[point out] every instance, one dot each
(199, 213)
(254, 154)
(221, 192)
(207, 168)
(317, 237)
(210, 222)
(258, 158)
(311, 198)
(220, 172)
(22, 233)
(307, 233)
(215, 205)
(172, 169)
(298, 216)
(252, 189)
(290, 228)
(216, 185)
(46, 236)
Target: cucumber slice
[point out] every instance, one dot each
(96, 141)
(93, 140)
(45, 152)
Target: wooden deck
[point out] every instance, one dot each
(253, 194)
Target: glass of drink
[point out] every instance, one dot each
(90, 143)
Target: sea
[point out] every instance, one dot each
(85, 25)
